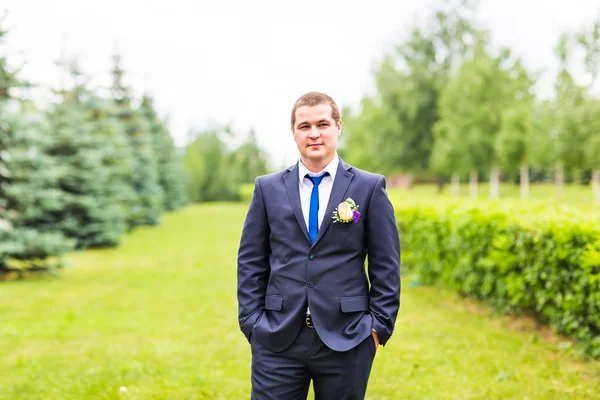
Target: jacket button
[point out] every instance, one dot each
(311, 257)
(309, 284)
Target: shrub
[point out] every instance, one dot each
(539, 260)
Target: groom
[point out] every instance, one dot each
(306, 304)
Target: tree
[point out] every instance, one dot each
(146, 206)
(471, 110)
(589, 40)
(248, 160)
(8, 75)
(543, 134)
(7, 81)
(590, 121)
(27, 182)
(95, 161)
(211, 175)
(568, 135)
(516, 142)
(195, 169)
(364, 135)
(171, 176)
(446, 155)
(30, 195)
(409, 83)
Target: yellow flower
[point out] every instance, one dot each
(345, 212)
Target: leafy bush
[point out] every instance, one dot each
(539, 260)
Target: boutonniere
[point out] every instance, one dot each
(346, 212)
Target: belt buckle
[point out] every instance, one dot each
(309, 322)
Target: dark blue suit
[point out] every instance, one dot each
(280, 272)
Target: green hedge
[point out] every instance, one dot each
(539, 260)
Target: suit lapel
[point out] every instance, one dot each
(291, 184)
(343, 177)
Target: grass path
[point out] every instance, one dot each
(157, 319)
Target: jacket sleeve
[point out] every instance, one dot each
(383, 247)
(253, 263)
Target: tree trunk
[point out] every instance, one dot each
(596, 185)
(524, 180)
(455, 188)
(440, 184)
(473, 184)
(559, 178)
(494, 183)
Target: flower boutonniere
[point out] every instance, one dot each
(346, 212)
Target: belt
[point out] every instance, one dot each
(309, 321)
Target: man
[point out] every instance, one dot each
(305, 303)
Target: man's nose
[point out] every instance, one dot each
(314, 133)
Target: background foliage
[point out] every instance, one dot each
(543, 261)
(449, 105)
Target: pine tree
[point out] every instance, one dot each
(27, 184)
(30, 196)
(92, 210)
(7, 80)
(171, 176)
(117, 160)
(146, 206)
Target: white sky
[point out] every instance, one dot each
(246, 62)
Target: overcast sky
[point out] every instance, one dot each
(246, 62)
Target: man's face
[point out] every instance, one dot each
(316, 133)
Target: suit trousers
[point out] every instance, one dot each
(286, 375)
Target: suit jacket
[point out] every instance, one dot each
(280, 272)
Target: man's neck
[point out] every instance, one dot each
(316, 167)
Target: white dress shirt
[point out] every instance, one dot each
(306, 187)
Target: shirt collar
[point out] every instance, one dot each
(331, 168)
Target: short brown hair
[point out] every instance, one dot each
(312, 99)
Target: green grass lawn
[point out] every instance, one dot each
(157, 319)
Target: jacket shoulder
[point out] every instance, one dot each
(272, 178)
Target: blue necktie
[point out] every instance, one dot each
(313, 215)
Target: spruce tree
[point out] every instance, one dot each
(28, 194)
(93, 187)
(146, 206)
(117, 160)
(171, 176)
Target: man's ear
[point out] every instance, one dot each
(339, 127)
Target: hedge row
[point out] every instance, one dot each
(542, 261)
